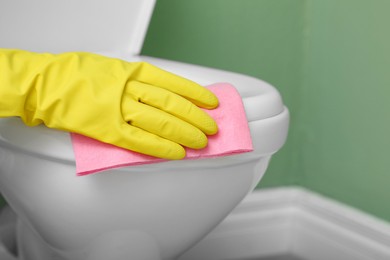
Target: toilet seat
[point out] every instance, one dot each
(261, 100)
(263, 106)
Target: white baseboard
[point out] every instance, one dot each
(295, 221)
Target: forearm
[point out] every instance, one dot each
(19, 73)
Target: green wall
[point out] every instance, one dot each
(258, 38)
(330, 61)
(346, 103)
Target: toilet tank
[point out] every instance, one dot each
(104, 26)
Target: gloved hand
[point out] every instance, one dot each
(135, 106)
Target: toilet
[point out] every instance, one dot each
(146, 212)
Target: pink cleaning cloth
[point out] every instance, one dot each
(233, 137)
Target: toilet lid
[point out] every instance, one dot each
(115, 26)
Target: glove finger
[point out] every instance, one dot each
(138, 140)
(190, 90)
(163, 124)
(172, 104)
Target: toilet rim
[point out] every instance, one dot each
(54, 145)
(60, 149)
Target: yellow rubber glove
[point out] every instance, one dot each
(132, 105)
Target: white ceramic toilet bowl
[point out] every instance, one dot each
(140, 213)
(144, 212)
